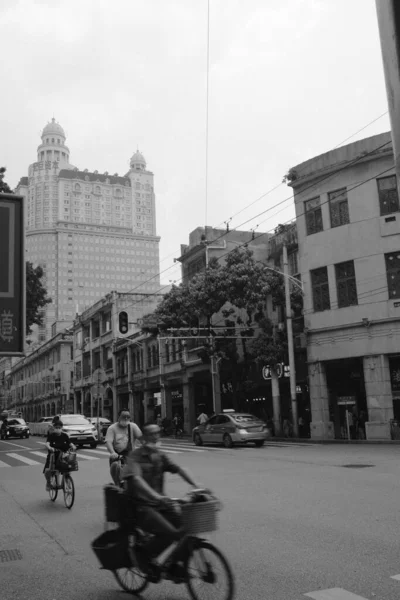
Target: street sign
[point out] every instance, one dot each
(12, 276)
(266, 371)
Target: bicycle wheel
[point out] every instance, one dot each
(209, 575)
(53, 491)
(69, 490)
(132, 579)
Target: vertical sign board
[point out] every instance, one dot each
(12, 276)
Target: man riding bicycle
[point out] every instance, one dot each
(144, 481)
(120, 439)
(57, 442)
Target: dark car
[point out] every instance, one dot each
(14, 428)
(231, 428)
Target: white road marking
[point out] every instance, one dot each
(42, 454)
(87, 457)
(17, 445)
(186, 446)
(172, 451)
(3, 464)
(23, 459)
(397, 577)
(94, 451)
(177, 446)
(334, 594)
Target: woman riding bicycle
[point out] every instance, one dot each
(57, 442)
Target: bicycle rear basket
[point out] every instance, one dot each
(200, 517)
(111, 550)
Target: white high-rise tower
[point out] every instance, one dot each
(91, 232)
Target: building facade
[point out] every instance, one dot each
(348, 223)
(98, 387)
(41, 384)
(90, 232)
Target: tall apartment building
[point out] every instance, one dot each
(348, 223)
(91, 232)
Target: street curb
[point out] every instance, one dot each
(335, 442)
(307, 441)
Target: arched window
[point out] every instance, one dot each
(77, 187)
(118, 192)
(98, 190)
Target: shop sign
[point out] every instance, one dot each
(344, 400)
(12, 276)
(282, 370)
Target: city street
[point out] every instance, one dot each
(296, 522)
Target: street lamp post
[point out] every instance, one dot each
(289, 326)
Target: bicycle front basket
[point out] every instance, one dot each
(200, 517)
(111, 550)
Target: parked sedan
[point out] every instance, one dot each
(231, 428)
(14, 428)
(80, 430)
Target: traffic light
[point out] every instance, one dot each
(123, 322)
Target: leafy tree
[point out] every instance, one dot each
(225, 298)
(4, 187)
(36, 296)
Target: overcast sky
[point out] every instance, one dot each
(288, 79)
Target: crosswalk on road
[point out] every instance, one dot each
(18, 457)
(32, 457)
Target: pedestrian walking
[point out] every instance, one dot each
(202, 418)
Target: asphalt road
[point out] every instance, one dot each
(296, 523)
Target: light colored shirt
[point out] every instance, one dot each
(202, 418)
(118, 436)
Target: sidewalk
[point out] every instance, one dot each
(33, 564)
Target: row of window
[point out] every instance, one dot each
(339, 208)
(346, 284)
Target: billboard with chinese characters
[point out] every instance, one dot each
(12, 276)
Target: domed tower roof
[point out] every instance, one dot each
(138, 160)
(53, 128)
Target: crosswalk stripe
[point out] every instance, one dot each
(180, 447)
(23, 459)
(3, 464)
(397, 577)
(187, 448)
(334, 594)
(86, 457)
(94, 452)
(43, 454)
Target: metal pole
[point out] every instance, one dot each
(290, 343)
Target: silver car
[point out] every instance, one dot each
(231, 428)
(80, 430)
